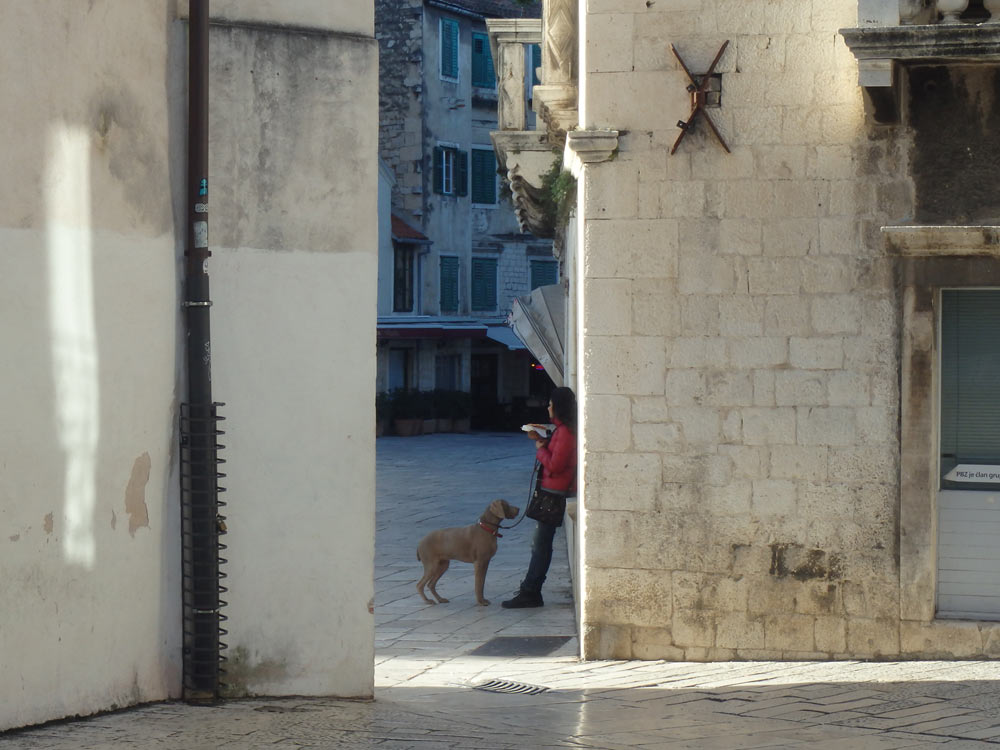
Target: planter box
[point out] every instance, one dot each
(408, 427)
(460, 425)
(429, 425)
(444, 425)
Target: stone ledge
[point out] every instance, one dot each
(979, 43)
(588, 147)
(914, 240)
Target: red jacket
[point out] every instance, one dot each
(558, 460)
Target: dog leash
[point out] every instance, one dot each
(531, 491)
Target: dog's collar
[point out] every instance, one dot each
(495, 532)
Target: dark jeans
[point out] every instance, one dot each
(541, 557)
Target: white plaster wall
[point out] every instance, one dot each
(294, 233)
(90, 595)
(296, 368)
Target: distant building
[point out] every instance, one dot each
(457, 258)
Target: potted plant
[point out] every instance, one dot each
(425, 406)
(382, 413)
(443, 410)
(406, 418)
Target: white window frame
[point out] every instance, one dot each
(448, 156)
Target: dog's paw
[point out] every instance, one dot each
(442, 600)
(484, 603)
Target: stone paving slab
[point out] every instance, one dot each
(425, 675)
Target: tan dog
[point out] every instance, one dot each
(474, 544)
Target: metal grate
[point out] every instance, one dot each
(507, 686)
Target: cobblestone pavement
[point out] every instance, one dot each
(426, 673)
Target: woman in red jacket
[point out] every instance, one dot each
(557, 456)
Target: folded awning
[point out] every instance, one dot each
(504, 335)
(539, 320)
(390, 328)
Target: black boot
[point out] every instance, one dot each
(523, 600)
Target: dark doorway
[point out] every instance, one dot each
(484, 386)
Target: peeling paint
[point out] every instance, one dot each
(114, 520)
(14, 537)
(135, 494)
(48, 523)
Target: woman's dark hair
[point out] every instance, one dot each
(564, 406)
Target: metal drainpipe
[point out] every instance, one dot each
(201, 524)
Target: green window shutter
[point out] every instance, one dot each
(482, 62)
(544, 273)
(484, 283)
(461, 173)
(484, 180)
(438, 169)
(449, 48)
(449, 284)
(970, 391)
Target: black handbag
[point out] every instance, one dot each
(546, 506)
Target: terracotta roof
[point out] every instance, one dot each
(493, 8)
(403, 231)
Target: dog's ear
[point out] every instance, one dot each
(497, 509)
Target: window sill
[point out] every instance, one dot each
(915, 240)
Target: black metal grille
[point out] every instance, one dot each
(202, 524)
(508, 686)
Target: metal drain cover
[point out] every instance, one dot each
(507, 686)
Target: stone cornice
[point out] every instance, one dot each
(979, 43)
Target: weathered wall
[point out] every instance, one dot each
(294, 170)
(399, 30)
(89, 603)
(91, 195)
(342, 16)
(740, 341)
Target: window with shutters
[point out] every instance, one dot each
(533, 53)
(968, 523)
(484, 284)
(449, 283)
(483, 74)
(484, 176)
(544, 273)
(451, 170)
(449, 49)
(402, 279)
(970, 389)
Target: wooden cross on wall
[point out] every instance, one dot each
(699, 97)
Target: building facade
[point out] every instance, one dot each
(457, 258)
(785, 273)
(93, 228)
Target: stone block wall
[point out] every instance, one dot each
(399, 31)
(740, 342)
